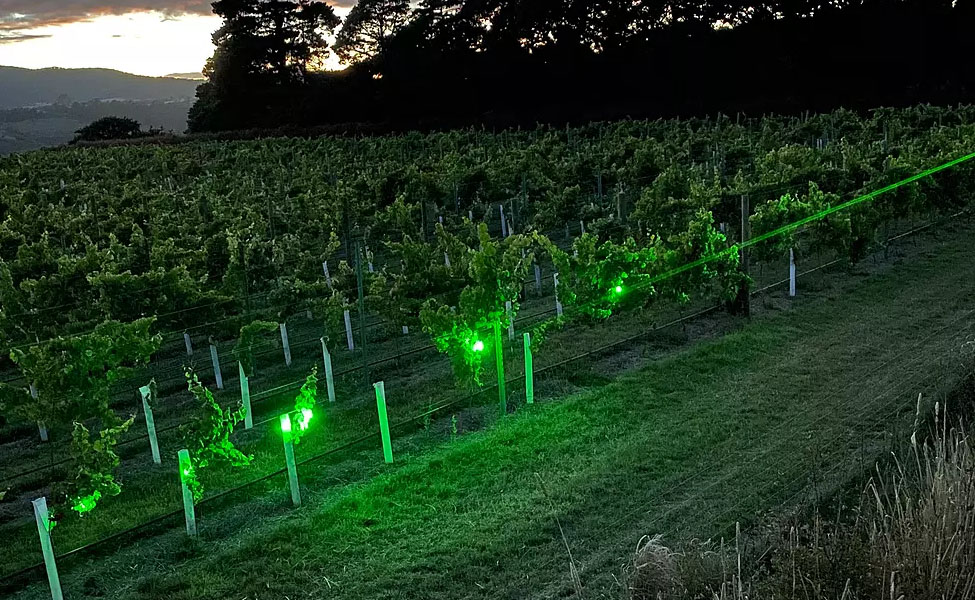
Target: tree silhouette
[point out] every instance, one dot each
(263, 48)
(110, 128)
(274, 39)
(295, 35)
(369, 27)
(446, 63)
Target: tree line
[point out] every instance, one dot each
(443, 63)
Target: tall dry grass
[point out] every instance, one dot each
(912, 538)
(921, 529)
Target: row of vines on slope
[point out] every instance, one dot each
(221, 233)
(100, 250)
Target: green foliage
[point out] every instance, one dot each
(222, 233)
(249, 339)
(775, 214)
(791, 164)
(125, 296)
(111, 128)
(290, 292)
(331, 303)
(207, 433)
(459, 341)
(559, 207)
(834, 232)
(673, 200)
(153, 393)
(425, 274)
(717, 278)
(96, 460)
(493, 275)
(305, 405)
(848, 232)
(600, 278)
(73, 375)
(16, 400)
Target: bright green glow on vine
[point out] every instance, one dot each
(86, 503)
(805, 221)
(478, 346)
(306, 415)
(619, 289)
(187, 471)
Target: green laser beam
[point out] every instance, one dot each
(796, 225)
(806, 220)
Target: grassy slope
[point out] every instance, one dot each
(149, 491)
(789, 407)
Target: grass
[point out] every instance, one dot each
(921, 527)
(785, 411)
(22, 451)
(415, 383)
(910, 533)
(150, 491)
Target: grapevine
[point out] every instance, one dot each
(207, 435)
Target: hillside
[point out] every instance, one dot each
(610, 255)
(23, 129)
(28, 87)
(193, 76)
(40, 108)
(689, 440)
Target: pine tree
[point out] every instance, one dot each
(369, 27)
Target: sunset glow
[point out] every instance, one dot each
(144, 43)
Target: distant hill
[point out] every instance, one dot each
(24, 129)
(193, 76)
(45, 107)
(30, 87)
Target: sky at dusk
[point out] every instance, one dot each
(138, 36)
